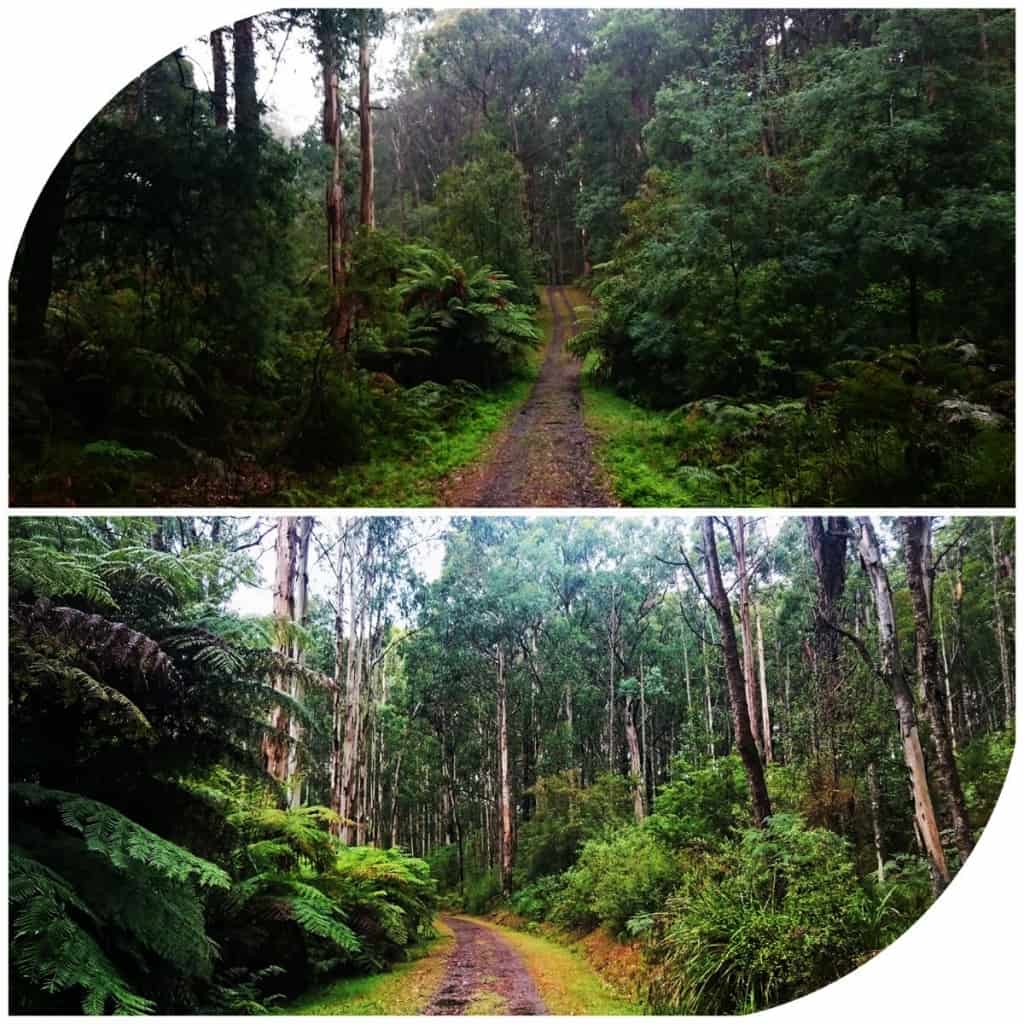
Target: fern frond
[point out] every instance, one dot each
(119, 839)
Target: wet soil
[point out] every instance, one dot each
(544, 456)
(482, 965)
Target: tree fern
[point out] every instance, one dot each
(51, 950)
(118, 838)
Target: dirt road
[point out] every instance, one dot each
(543, 457)
(485, 974)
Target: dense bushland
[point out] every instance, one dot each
(797, 226)
(565, 718)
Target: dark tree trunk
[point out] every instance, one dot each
(827, 539)
(734, 677)
(247, 107)
(220, 78)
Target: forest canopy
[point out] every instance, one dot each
(793, 228)
(253, 754)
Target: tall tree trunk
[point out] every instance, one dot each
(827, 540)
(367, 216)
(396, 143)
(750, 680)
(340, 320)
(247, 107)
(734, 678)
(1004, 654)
(917, 532)
(707, 697)
(893, 672)
(612, 630)
(33, 265)
(291, 581)
(875, 800)
(503, 779)
(635, 767)
(766, 728)
(220, 78)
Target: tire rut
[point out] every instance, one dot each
(483, 963)
(544, 457)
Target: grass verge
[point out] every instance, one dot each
(402, 991)
(638, 450)
(568, 985)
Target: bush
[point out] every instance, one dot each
(625, 876)
(566, 815)
(482, 892)
(701, 805)
(774, 917)
(537, 900)
(983, 765)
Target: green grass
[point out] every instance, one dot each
(403, 991)
(409, 474)
(638, 449)
(567, 983)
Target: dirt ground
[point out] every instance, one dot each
(484, 974)
(543, 457)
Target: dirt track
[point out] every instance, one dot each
(484, 967)
(543, 457)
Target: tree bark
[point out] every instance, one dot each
(766, 726)
(291, 583)
(827, 540)
(219, 97)
(917, 532)
(1009, 703)
(734, 678)
(503, 779)
(247, 107)
(367, 216)
(635, 766)
(893, 672)
(339, 320)
(750, 680)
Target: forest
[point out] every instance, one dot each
(730, 257)
(264, 763)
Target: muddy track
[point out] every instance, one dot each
(543, 457)
(483, 964)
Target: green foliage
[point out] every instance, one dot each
(701, 805)
(538, 900)
(774, 917)
(983, 765)
(481, 208)
(627, 875)
(481, 892)
(566, 815)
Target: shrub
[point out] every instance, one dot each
(983, 766)
(537, 900)
(618, 878)
(566, 816)
(482, 892)
(776, 916)
(701, 804)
